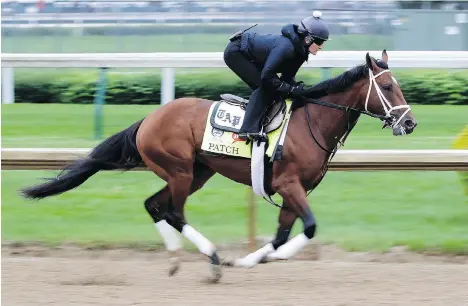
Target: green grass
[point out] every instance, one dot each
(357, 210)
(162, 43)
(59, 125)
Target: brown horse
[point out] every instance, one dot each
(168, 141)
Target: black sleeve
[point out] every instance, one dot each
(289, 76)
(269, 78)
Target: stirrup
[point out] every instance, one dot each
(253, 136)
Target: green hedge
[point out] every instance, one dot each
(79, 88)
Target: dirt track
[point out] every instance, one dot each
(116, 278)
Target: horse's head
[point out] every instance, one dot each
(383, 96)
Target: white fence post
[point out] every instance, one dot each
(167, 85)
(8, 86)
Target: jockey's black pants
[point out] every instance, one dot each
(250, 73)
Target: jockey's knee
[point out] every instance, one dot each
(229, 53)
(226, 58)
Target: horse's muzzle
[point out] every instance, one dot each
(404, 128)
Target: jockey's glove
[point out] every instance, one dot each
(297, 90)
(288, 90)
(298, 83)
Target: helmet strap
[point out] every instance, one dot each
(309, 40)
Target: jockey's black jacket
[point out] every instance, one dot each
(276, 54)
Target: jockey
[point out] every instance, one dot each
(257, 59)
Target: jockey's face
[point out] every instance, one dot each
(314, 48)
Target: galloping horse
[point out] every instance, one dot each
(168, 141)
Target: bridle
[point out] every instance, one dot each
(388, 108)
(390, 120)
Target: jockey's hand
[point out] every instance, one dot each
(300, 83)
(287, 90)
(297, 90)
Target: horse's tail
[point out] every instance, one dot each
(119, 151)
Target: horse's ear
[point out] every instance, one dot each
(370, 62)
(384, 56)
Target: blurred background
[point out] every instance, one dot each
(189, 26)
(78, 107)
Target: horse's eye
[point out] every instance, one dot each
(387, 87)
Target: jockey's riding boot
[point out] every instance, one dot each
(250, 128)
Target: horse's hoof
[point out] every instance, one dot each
(216, 272)
(227, 262)
(173, 269)
(175, 265)
(243, 262)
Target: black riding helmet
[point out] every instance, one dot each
(314, 29)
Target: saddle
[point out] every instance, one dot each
(228, 114)
(224, 120)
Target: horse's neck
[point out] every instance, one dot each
(332, 123)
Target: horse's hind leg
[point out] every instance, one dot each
(160, 207)
(157, 206)
(181, 185)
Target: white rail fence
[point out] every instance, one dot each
(169, 61)
(344, 160)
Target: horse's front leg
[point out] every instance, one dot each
(294, 194)
(286, 221)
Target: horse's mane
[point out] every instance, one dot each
(342, 81)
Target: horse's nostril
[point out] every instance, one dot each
(410, 123)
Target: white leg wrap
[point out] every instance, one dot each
(170, 235)
(290, 248)
(254, 258)
(203, 244)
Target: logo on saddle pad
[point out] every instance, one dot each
(216, 132)
(227, 117)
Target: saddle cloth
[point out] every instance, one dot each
(225, 118)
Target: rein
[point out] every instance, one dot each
(344, 108)
(351, 122)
